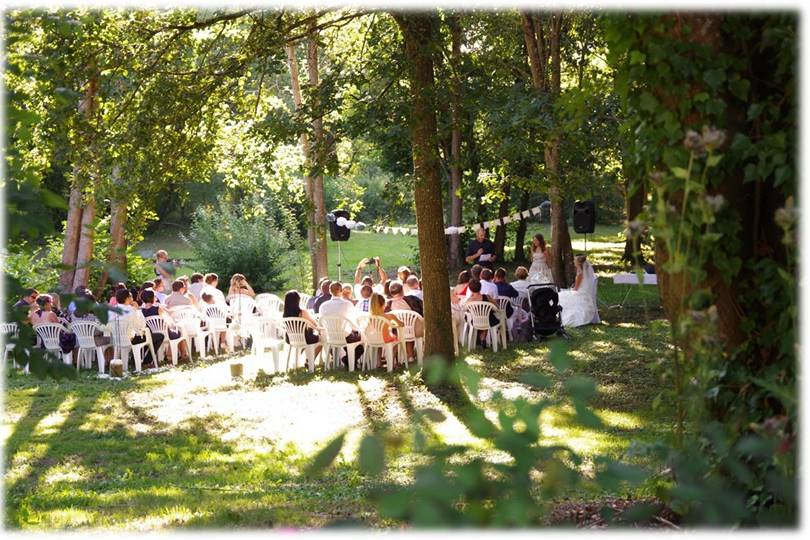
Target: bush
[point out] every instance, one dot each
(229, 239)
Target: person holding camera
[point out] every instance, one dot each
(360, 280)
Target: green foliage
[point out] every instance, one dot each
(229, 239)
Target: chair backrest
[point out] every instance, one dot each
(479, 313)
(157, 325)
(295, 328)
(49, 334)
(9, 329)
(190, 319)
(305, 298)
(375, 329)
(270, 306)
(268, 327)
(263, 297)
(85, 333)
(119, 333)
(503, 301)
(336, 328)
(241, 304)
(409, 318)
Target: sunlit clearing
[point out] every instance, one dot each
(66, 472)
(558, 426)
(50, 424)
(68, 517)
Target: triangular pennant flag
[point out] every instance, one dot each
(386, 230)
(525, 213)
(535, 210)
(506, 220)
(476, 226)
(462, 229)
(413, 232)
(516, 216)
(447, 230)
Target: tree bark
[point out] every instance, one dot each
(117, 254)
(72, 233)
(634, 199)
(418, 33)
(455, 139)
(320, 263)
(84, 255)
(303, 140)
(500, 231)
(520, 236)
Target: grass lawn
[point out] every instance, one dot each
(191, 447)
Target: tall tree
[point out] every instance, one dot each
(546, 81)
(418, 31)
(455, 137)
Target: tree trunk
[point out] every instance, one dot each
(634, 199)
(320, 263)
(562, 255)
(72, 233)
(84, 255)
(500, 231)
(455, 139)
(520, 236)
(417, 30)
(303, 140)
(117, 254)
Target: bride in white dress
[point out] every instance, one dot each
(540, 272)
(579, 302)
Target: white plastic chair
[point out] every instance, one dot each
(409, 319)
(85, 337)
(266, 336)
(305, 298)
(122, 344)
(191, 321)
(335, 328)
(476, 318)
(506, 322)
(270, 306)
(374, 332)
(49, 334)
(8, 331)
(158, 325)
(295, 330)
(217, 322)
(596, 319)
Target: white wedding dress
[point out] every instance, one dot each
(579, 306)
(539, 272)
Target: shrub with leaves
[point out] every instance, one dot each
(229, 239)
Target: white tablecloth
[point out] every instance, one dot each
(632, 279)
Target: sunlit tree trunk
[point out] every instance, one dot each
(500, 232)
(455, 139)
(303, 140)
(84, 255)
(72, 233)
(418, 32)
(320, 264)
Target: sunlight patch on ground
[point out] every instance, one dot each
(66, 472)
(22, 462)
(50, 424)
(67, 517)
(558, 427)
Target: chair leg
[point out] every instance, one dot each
(389, 357)
(419, 345)
(289, 354)
(352, 352)
(275, 358)
(310, 359)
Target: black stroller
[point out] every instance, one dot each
(546, 312)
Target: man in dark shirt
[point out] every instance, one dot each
(28, 299)
(504, 288)
(479, 247)
(324, 296)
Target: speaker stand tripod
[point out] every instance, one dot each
(340, 277)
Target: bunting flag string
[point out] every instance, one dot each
(514, 218)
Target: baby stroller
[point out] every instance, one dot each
(546, 312)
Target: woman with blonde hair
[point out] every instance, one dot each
(239, 285)
(377, 309)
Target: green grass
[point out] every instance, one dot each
(190, 447)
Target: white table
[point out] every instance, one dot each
(629, 278)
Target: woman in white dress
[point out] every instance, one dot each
(579, 302)
(540, 272)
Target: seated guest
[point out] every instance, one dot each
(292, 308)
(211, 282)
(504, 288)
(413, 288)
(28, 300)
(326, 295)
(464, 277)
(387, 288)
(365, 298)
(475, 272)
(131, 320)
(521, 283)
(481, 250)
(475, 295)
(488, 288)
(178, 296)
(408, 302)
(191, 297)
(160, 290)
(83, 311)
(377, 309)
(57, 304)
(146, 285)
(239, 285)
(347, 293)
(400, 301)
(360, 280)
(341, 307)
(113, 301)
(402, 273)
(317, 293)
(45, 313)
(197, 284)
(78, 292)
(150, 309)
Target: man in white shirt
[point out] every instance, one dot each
(337, 305)
(197, 285)
(412, 287)
(521, 284)
(211, 281)
(488, 288)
